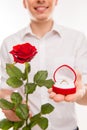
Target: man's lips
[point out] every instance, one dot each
(41, 8)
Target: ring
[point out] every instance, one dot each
(64, 81)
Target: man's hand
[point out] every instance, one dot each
(10, 115)
(80, 92)
(5, 93)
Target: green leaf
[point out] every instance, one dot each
(46, 108)
(34, 120)
(16, 98)
(35, 117)
(4, 104)
(43, 123)
(40, 76)
(41, 83)
(30, 88)
(26, 128)
(48, 83)
(5, 124)
(13, 71)
(24, 76)
(18, 125)
(22, 111)
(14, 82)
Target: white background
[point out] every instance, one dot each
(70, 13)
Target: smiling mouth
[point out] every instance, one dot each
(41, 8)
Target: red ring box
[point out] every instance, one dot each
(64, 78)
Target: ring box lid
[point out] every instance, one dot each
(64, 72)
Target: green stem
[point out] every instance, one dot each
(27, 69)
(27, 99)
(27, 82)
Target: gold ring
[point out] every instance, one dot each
(64, 81)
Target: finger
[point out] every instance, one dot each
(78, 82)
(70, 98)
(5, 92)
(79, 76)
(30, 114)
(75, 97)
(49, 90)
(52, 94)
(58, 98)
(11, 115)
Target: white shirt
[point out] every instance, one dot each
(59, 46)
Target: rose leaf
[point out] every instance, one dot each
(14, 82)
(46, 108)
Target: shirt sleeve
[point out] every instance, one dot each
(81, 57)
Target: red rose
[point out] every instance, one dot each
(23, 52)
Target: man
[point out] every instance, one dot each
(56, 45)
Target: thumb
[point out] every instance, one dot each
(78, 76)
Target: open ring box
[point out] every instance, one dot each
(64, 78)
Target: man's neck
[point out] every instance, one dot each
(41, 28)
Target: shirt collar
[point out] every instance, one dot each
(56, 28)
